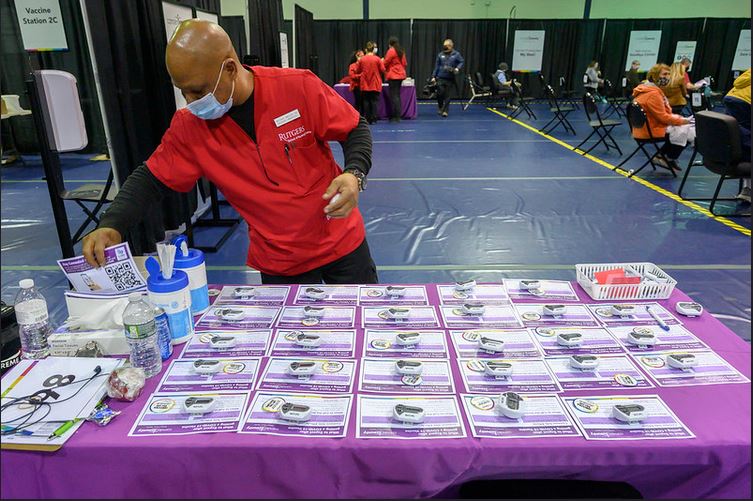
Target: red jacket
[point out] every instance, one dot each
(277, 182)
(355, 76)
(395, 65)
(659, 113)
(371, 68)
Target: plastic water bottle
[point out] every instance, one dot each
(33, 321)
(141, 333)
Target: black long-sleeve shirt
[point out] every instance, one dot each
(142, 189)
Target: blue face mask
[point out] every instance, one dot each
(208, 108)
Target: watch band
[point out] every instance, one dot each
(359, 175)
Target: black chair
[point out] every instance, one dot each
(637, 119)
(601, 127)
(501, 92)
(567, 94)
(97, 194)
(478, 90)
(523, 102)
(718, 141)
(613, 102)
(560, 114)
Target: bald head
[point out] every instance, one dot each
(199, 54)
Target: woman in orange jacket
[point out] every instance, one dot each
(653, 101)
(355, 80)
(395, 64)
(370, 67)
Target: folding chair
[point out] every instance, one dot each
(601, 127)
(613, 102)
(718, 140)
(637, 119)
(477, 90)
(523, 102)
(560, 114)
(501, 92)
(98, 194)
(567, 95)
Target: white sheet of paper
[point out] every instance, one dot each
(442, 418)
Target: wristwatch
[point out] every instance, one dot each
(359, 175)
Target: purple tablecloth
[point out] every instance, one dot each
(407, 99)
(105, 463)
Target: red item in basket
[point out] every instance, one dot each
(615, 276)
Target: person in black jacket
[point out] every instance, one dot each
(448, 65)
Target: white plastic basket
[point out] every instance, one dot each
(647, 289)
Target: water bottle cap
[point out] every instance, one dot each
(26, 283)
(195, 257)
(134, 297)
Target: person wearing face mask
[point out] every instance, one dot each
(448, 65)
(653, 101)
(370, 67)
(262, 136)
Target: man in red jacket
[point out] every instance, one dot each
(371, 67)
(261, 135)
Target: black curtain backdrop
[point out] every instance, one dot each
(129, 42)
(305, 45)
(15, 68)
(235, 29)
(716, 50)
(337, 40)
(588, 48)
(265, 22)
(480, 41)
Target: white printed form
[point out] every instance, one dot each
(515, 343)
(405, 344)
(440, 417)
(543, 416)
(590, 340)
(214, 374)
(380, 295)
(237, 317)
(540, 290)
(314, 343)
(227, 344)
(254, 295)
(676, 338)
(703, 367)
(316, 416)
(613, 371)
(524, 376)
(573, 315)
(399, 317)
(493, 317)
(327, 294)
(382, 376)
(324, 376)
(487, 294)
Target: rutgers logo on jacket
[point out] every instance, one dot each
(277, 182)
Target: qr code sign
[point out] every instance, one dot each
(123, 276)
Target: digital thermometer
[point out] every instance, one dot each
(498, 369)
(314, 293)
(230, 314)
(244, 292)
(302, 369)
(570, 339)
(584, 362)
(642, 338)
(308, 340)
(629, 413)
(530, 285)
(465, 286)
(408, 338)
(295, 412)
(474, 309)
(682, 360)
(313, 311)
(409, 367)
(222, 342)
(408, 413)
(554, 310)
(397, 313)
(623, 310)
(511, 405)
(490, 344)
(689, 309)
(201, 366)
(394, 291)
(199, 405)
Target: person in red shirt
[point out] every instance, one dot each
(355, 79)
(371, 67)
(261, 135)
(395, 64)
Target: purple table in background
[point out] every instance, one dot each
(106, 463)
(407, 99)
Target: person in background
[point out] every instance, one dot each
(370, 67)
(690, 86)
(395, 64)
(737, 104)
(676, 90)
(448, 65)
(504, 85)
(653, 101)
(355, 80)
(592, 80)
(633, 77)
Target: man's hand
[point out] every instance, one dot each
(347, 186)
(95, 243)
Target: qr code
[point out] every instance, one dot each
(123, 276)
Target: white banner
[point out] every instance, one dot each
(644, 47)
(41, 25)
(685, 49)
(528, 50)
(742, 53)
(209, 16)
(174, 15)
(284, 50)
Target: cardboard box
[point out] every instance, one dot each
(90, 343)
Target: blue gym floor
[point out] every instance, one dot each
(470, 196)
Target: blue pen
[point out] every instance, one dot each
(656, 317)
